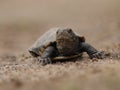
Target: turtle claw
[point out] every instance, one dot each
(45, 61)
(98, 55)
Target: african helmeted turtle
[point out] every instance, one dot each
(60, 44)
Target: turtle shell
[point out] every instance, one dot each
(43, 42)
(46, 40)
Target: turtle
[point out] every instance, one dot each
(61, 44)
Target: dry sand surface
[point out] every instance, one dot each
(23, 21)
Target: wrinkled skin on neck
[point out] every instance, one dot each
(67, 42)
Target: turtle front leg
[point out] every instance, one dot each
(91, 51)
(48, 54)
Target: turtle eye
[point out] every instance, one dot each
(57, 32)
(69, 30)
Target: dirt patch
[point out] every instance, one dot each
(25, 72)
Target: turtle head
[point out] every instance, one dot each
(66, 34)
(67, 41)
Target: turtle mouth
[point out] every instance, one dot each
(66, 51)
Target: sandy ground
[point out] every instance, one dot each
(23, 21)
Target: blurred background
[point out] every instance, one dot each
(23, 21)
